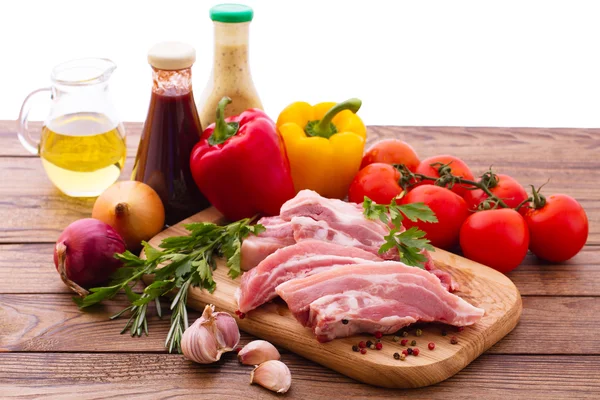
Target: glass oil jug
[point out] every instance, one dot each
(82, 141)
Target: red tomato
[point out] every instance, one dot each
(559, 229)
(497, 238)
(507, 189)
(449, 208)
(458, 168)
(391, 151)
(377, 181)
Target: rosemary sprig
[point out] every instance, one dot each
(184, 261)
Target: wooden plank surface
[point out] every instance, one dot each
(57, 351)
(143, 376)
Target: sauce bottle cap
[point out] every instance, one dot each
(171, 56)
(231, 13)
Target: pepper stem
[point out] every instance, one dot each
(223, 130)
(325, 128)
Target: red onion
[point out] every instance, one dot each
(84, 254)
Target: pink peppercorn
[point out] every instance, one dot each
(404, 342)
(416, 351)
(405, 352)
(378, 346)
(363, 351)
(431, 345)
(362, 344)
(378, 335)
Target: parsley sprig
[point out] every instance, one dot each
(180, 262)
(411, 242)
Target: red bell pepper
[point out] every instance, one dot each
(241, 166)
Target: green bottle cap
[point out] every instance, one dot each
(231, 13)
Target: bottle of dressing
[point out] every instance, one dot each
(231, 70)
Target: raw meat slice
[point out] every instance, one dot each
(376, 296)
(447, 282)
(256, 248)
(299, 260)
(341, 216)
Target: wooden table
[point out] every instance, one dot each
(48, 346)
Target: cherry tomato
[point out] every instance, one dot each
(507, 189)
(391, 151)
(449, 208)
(457, 166)
(377, 181)
(497, 238)
(559, 229)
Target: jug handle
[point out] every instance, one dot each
(23, 132)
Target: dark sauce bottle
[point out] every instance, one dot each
(171, 130)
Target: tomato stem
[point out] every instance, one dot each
(447, 179)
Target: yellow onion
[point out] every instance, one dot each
(133, 209)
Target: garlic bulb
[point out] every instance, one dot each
(273, 375)
(211, 335)
(257, 352)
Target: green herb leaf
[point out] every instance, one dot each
(418, 212)
(179, 262)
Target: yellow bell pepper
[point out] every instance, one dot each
(324, 144)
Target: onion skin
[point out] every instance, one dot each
(84, 254)
(133, 209)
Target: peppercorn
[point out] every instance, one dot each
(404, 342)
(396, 356)
(361, 344)
(355, 348)
(419, 332)
(238, 349)
(431, 345)
(242, 315)
(402, 357)
(379, 346)
(416, 351)
(377, 340)
(404, 352)
(369, 343)
(413, 342)
(363, 351)
(460, 328)
(396, 338)
(409, 350)
(345, 321)
(454, 340)
(372, 347)
(404, 333)
(378, 335)
(444, 333)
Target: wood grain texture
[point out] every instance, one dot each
(31, 211)
(567, 157)
(479, 285)
(28, 268)
(144, 376)
(52, 322)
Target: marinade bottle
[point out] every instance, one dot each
(171, 130)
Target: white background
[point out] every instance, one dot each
(472, 63)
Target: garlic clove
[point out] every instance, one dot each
(273, 375)
(257, 352)
(210, 336)
(228, 333)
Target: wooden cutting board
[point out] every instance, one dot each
(479, 285)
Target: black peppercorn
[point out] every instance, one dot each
(369, 343)
(345, 321)
(396, 356)
(355, 348)
(409, 350)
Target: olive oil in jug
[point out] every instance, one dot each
(82, 153)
